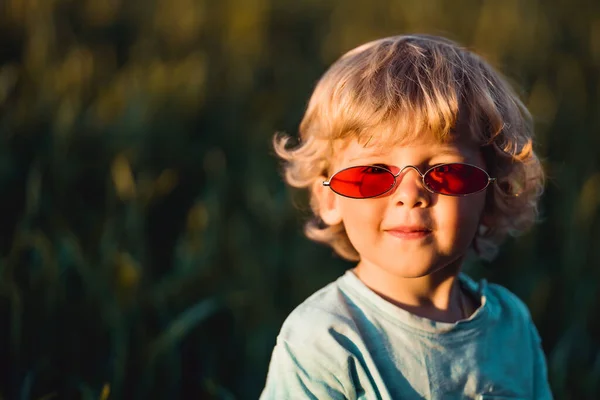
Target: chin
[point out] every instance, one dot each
(412, 271)
(416, 275)
(421, 268)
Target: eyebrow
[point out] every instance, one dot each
(366, 156)
(448, 152)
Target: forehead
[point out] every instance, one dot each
(424, 147)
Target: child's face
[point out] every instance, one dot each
(409, 231)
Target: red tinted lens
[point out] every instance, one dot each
(456, 179)
(362, 182)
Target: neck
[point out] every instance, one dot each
(436, 296)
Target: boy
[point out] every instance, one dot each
(415, 151)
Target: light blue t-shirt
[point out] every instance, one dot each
(346, 342)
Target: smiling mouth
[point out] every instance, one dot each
(409, 233)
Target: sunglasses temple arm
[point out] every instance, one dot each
(328, 183)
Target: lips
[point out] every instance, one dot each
(409, 232)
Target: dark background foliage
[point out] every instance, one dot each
(148, 246)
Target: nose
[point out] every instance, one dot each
(409, 190)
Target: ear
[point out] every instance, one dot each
(329, 208)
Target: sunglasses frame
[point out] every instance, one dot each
(422, 175)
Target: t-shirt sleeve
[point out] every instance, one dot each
(298, 373)
(540, 373)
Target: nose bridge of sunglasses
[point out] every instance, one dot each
(403, 171)
(403, 174)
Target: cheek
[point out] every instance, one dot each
(471, 220)
(460, 217)
(361, 218)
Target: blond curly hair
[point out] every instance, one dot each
(398, 88)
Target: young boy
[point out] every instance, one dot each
(415, 152)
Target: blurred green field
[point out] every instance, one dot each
(148, 245)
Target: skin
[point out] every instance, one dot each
(417, 274)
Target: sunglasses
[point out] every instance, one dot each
(366, 181)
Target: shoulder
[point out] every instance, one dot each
(507, 303)
(497, 299)
(317, 317)
(311, 354)
(501, 306)
(306, 361)
(509, 311)
(520, 334)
